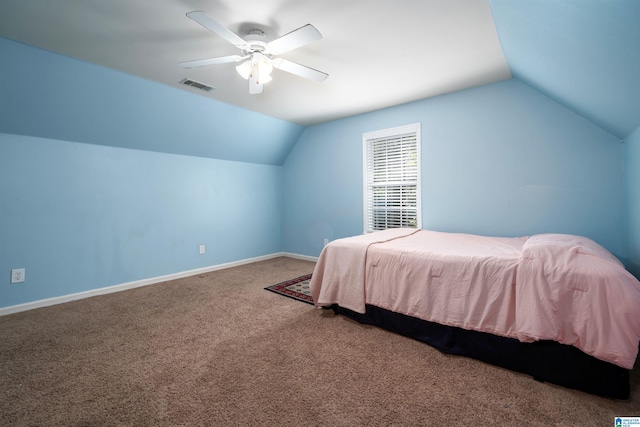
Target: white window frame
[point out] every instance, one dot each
(368, 139)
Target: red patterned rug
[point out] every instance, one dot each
(297, 289)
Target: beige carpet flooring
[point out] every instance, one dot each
(219, 350)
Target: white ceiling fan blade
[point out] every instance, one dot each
(211, 25)
(295, 39)
(299, 70)
(255, 87)
(212, 61)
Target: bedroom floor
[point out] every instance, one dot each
(218, 349)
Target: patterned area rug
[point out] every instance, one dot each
(297, 289)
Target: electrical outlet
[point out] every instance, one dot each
(202, 249)
(17, 275)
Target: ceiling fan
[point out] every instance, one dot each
(259, 56)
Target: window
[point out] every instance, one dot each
(392, 178)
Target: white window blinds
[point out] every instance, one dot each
(392, 178)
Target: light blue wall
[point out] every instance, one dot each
(82, 216)
(632, 191)
(501, 159)
(52, 96)
(99, 183)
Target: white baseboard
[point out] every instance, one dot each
(301, 257)
(139, 283)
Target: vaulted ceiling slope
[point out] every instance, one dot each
(378, 53)
(583, 53)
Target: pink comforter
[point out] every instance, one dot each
(552, 287)
(339, 275)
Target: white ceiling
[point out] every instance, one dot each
(378, 53)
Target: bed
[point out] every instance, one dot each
(555, 306)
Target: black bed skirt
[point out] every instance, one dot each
(544, 360)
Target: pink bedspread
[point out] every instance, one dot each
(339, 275)
(573, 291)
(556, 287)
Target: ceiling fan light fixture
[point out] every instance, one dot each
(264, 67)
(258, 66)
(244, 69)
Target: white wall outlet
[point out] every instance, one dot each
(17, 275)
(326, 242)
(202, 249)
